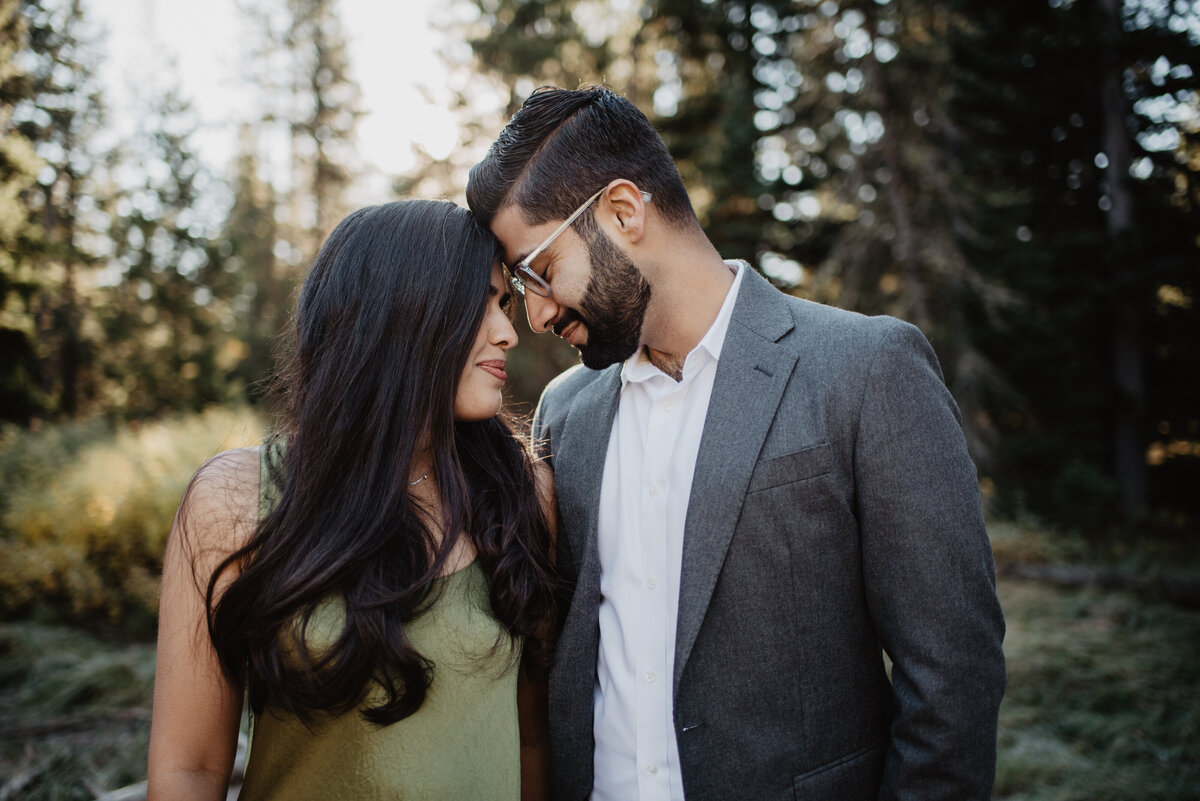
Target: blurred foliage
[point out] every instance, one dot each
(1100, 703)
(60, 110)
(85, 511)
(324, 113)
(1101, 700)
(964, 165)
(75, 712)
(1162, 567)
(127, 291)
(1018, 180)
(19, 166)
(49, 672)
(164, 304)
(1086, 210)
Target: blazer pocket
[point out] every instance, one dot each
(804, 464)
(853, 777)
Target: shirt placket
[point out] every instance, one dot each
(653, 681)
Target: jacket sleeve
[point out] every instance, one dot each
(929, 575)
(548, 419)
(539, 433)
(552, 409)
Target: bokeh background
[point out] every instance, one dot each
(1019, 179)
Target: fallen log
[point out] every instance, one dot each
(1183, 590)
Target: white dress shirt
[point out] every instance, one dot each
(643, 505)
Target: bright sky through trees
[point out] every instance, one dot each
(393, 53)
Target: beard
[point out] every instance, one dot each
(613, 306)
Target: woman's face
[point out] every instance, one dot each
(479, 389)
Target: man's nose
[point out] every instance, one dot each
(542, 312)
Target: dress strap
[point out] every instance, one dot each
(270, 474)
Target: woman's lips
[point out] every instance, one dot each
(495, 367)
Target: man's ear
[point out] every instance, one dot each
(625, 209)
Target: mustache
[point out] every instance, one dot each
(568, 317)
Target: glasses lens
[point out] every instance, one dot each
(532, 282)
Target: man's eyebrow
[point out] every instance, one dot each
(520, 258)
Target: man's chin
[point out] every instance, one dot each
(597, 357)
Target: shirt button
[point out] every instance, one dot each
(652, 583)
(650, 677)
(652, 769)
(656, 489)
(668, 405)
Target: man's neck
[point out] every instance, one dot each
(684, 303)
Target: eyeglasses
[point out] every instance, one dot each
(523, 276)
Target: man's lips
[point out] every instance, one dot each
(567, 331)
(495, 367)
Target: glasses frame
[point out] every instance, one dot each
(523, 277)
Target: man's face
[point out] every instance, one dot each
(599, 297)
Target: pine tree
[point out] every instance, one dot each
(61, 117)
(19, 166)
(325, 113)
(1089, 223)
(166, 318)
(263, 291)
(310, 110)
(1017, 179)
(819, 132)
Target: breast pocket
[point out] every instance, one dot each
(790, 468)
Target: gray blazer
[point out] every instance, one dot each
(834, 513)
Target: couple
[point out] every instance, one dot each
(737, 505)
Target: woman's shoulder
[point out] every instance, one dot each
(220, 505)
(233, 471)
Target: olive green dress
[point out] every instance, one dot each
(462, 743)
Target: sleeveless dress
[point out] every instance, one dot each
(463, 743)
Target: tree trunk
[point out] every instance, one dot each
(1128, 445)
(900, 198)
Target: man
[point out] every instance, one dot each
(758, 496)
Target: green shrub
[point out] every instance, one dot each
(85, 512)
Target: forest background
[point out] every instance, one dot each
(1018, 179)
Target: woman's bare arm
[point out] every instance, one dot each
(532, 703)
(193, 733)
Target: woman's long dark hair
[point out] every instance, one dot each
(386, 320)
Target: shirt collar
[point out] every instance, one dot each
(638, 367)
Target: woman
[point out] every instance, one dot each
(370, 577)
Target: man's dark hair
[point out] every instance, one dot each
(563, 145)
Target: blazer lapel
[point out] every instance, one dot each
(580, 447)
(578, 469)
(751, 375)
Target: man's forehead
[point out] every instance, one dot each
(517, 237)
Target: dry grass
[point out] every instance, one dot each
(1103, 697)
(1103, 702)
(75, 712)
(85, 511)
